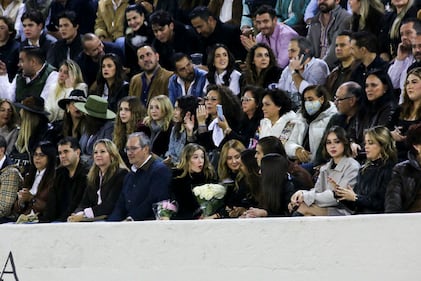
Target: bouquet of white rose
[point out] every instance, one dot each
(165, 209)
(209, 197)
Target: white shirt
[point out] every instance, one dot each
(134, 168)
(234, 81)
(38, 178)
(226, 11)
(8, 90)
(2, 161)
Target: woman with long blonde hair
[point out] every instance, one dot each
(69, 78)
(238, 197)
(368, 195)
(9, 120)
(367, 15)
(158, 124)
(33, 129)
(193, 170)
(104, 182)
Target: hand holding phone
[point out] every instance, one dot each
(220, 112)
(303, 57)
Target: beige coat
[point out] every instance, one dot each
(109, 23)
(159, 84)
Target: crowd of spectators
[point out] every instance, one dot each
(296, 107)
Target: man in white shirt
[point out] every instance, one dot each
(36, 79)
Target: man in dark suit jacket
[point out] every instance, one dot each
(70, 45)
(69, 184)
(147, 183)
(213, 31)
(89, 58)
(171, 37)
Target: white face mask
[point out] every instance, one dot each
(312, 106)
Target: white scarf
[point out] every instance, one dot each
(217, 133)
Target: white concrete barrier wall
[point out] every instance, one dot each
(385, 247)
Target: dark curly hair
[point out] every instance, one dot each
(279, 98)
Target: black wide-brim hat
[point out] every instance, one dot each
(75, 96)
(33, 104)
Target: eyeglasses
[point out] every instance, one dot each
(210, 99)
(131, 148)
(246, 99)
(341, 99)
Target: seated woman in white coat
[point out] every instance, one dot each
(281, 121)
(341, 170)
(316, 111)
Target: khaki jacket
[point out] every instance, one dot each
(110, 23)
(159, 84)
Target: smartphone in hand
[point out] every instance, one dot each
(220, 112)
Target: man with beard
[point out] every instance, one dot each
(187, 80)
(325, 26)
(153, 80)
(415, 47)
(271, 32)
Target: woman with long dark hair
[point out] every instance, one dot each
(130, 112)
(137, 32)
(110, 82)
(251, 105)
(261, 67)
(316, 112)
(378, 106)
(276, 188)
(408, 113)
(214, 131)
(73, 124)
(38, 181)
(221, 68)
(341, 168)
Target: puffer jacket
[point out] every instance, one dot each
(404, 186)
